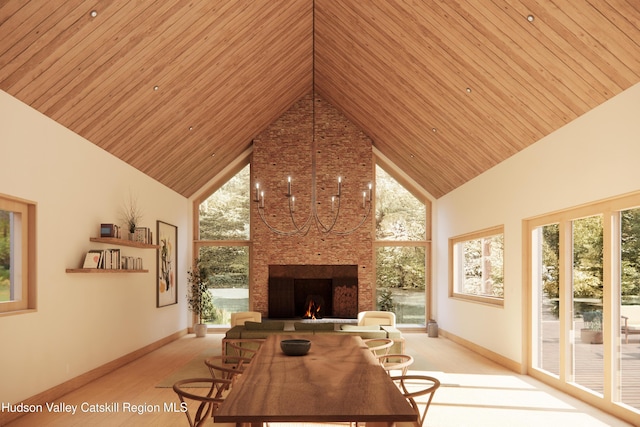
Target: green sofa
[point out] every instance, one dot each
(261, 330)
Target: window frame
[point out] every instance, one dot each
(221, 179)
(454, 272)
(26, 245)
(409, 185)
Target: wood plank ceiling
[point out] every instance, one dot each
(446, 89)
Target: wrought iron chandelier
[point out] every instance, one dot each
(302, 228)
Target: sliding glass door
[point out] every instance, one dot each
(584, 284)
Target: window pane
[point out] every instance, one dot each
(228, 267)
(630, 306)
(225, 214)
(399, 215)
(479, 264)
(6, 293)
(587, 302)
(401, 282)
(545, 270)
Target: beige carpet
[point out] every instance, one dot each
(195, 368)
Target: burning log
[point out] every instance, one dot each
(313, 305)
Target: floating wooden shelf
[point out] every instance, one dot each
(117, 242)
(123, 242)
(103, 270)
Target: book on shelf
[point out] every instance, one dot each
(143, 235)
(92, 259)
(106, 259)
(131, 263)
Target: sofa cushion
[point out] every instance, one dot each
(392, 332)
(360, 328)
(264, 326)
(366, 334)
(313, 326)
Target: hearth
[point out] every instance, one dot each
(313, 291)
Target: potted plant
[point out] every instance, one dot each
(131, 216)
(198, 296)
(591, 333)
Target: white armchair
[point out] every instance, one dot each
(243, 316)
(368, 318)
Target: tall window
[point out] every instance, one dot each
(17, 255)
(477, 266)
(401, 251)
(223, 246)
(585, 275)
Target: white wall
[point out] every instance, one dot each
(83, 320)
(594, 157)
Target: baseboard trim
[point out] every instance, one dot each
(494, 357)
(75, 383)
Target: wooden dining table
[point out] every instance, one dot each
(338, 380)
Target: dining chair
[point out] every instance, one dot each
(379, 346)
(396, 362)
(419, 391)
(226, 367)
(241, 347)
(202, 396)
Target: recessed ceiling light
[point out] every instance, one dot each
(213, 155)
(156, 87)
(94, 13)
(434, 130)
(190, 127)
(530, 18)
(468, 90)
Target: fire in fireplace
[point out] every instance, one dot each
(313, 307)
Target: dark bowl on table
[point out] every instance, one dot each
(295, 347)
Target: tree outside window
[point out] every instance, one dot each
(401, 251)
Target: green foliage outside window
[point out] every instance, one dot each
(400, 267)
(5, 256)
(400, 216)
(224, 217)
(588, 255)
(225, 214)
(478, 254)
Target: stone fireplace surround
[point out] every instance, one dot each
(282, 150)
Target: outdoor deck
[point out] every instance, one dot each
(588, 363)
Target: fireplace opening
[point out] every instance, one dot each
(314, 307)
(313, 291)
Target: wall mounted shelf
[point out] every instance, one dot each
(117, 242)
(103, 270)
(123, 242)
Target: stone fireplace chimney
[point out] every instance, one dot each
(284, 149)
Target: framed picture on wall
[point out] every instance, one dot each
(167, 286)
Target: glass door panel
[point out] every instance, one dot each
(545, 270)
(587, 282)
(628, 355)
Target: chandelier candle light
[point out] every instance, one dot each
(313, 217)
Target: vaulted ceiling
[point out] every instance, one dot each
(446, 89)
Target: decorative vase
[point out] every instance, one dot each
(589, 336)
(200, 329)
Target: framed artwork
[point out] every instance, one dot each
(167, 287)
